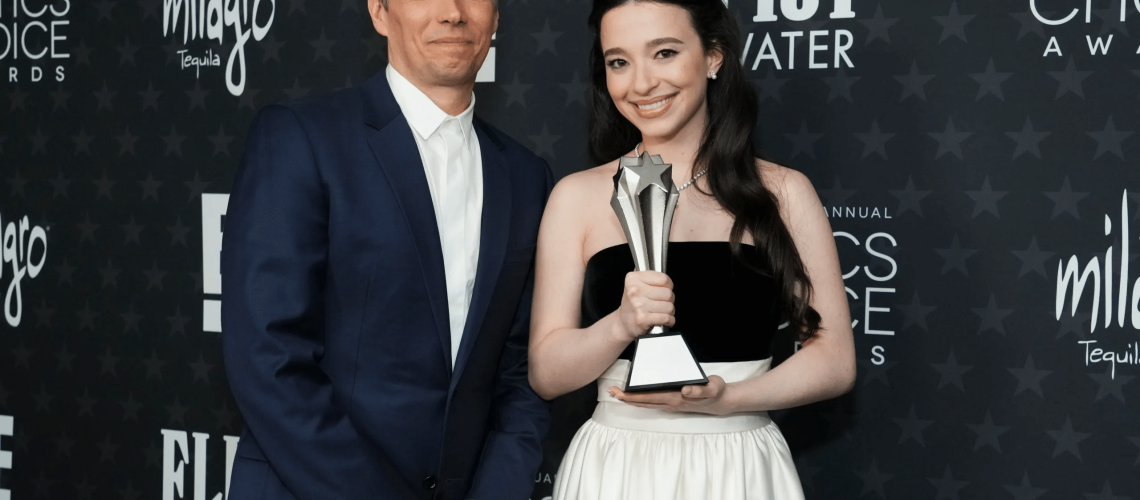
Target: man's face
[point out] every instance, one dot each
(437, 42)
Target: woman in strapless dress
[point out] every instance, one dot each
(750, 251)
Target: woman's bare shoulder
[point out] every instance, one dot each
(789, 185)
(586, 184)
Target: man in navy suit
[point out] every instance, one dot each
(377, 268)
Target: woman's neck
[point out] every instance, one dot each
(679, 149)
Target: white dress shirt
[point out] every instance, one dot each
(451, 156)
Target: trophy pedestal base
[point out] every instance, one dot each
(663, 362)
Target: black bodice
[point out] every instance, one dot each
(725, 310)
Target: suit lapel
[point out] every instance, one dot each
(493, 234)
(395, 150)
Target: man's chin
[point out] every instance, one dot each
(454, 72)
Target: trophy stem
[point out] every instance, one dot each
(644, 200)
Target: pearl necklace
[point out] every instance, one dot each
(637, 152)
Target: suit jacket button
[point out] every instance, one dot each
(429, 483)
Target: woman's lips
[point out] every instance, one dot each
(653, 108)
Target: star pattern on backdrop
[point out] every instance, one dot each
(988, 433)
(912, 428)
(953, 23)
(914, 83)
(1065, 200)
(983, 152)
(545, 39)
(1067, 440)
(1110, 383)
(1025, 490)
(986, 199)
(1109, 139)
(516, 91)
(878, 26)
(1070, 80)
(1033, 259)
(875, 142)
(1028, 140)
(991, 316)
(989, 82)
(950, 140)
(955, 257)
(950, 373)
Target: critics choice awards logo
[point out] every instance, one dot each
(34, 40)
(218, 21)
(1072, 12)
(24, 250)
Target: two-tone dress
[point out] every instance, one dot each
(729, 315)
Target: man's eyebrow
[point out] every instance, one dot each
(652, 43)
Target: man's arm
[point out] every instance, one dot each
(520, 418)
(274, 260)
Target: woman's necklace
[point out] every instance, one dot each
(637, 152)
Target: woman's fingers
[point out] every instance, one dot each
(708, 391)
(654, 278)
(648, 398)
(647, 302)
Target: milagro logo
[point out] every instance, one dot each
(778, 50)
(1073, 282)
(211, 20)
(24, 249)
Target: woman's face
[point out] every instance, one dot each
(656, 69)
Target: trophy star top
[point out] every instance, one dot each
(649, 170)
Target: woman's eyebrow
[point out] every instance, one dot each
(651, 44)
(662, 41)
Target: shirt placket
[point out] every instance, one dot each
(454, 229)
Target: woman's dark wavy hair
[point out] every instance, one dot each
(726, 149)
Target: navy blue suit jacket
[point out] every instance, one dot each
(337, 341)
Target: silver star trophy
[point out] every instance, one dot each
(644, 200)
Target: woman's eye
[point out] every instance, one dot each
(616, 63)
(666, 53)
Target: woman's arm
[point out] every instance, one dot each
(825, 366)
(564, 357)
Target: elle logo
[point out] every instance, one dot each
(176, 456)
(7, 425)
(213, 218)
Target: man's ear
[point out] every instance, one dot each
(379, 16)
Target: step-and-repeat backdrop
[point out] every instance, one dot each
(977, 160)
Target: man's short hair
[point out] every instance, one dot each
(493, 2)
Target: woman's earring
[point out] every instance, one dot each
(712, 75)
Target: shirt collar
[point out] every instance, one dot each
(422, 113)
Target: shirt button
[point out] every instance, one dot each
(429, 483)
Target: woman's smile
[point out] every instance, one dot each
(653, 108)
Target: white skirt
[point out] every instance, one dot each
(628, 453)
